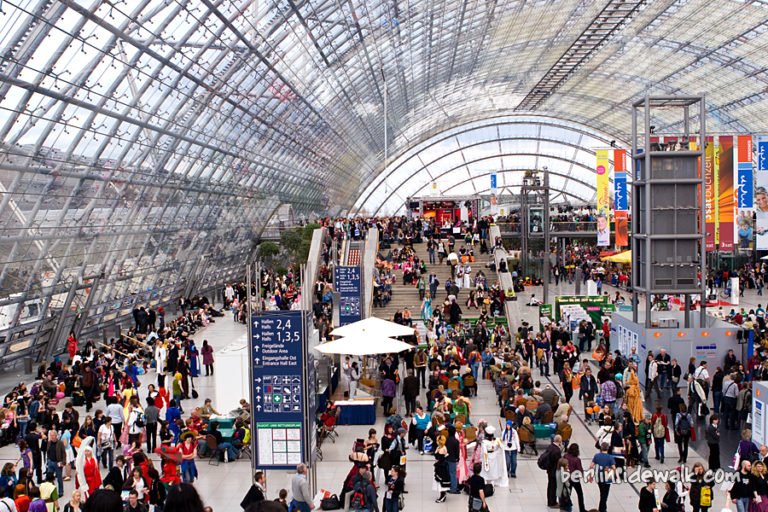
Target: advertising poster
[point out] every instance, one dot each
(709, 192)
(724, 161)
(761, 194)
(744, 193)
(603, 198)
(620, 198)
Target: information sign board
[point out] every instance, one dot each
(347, 283)
(278, 408)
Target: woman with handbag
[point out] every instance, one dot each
(700, 493)
(564, 486)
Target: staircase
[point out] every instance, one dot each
(407, 296)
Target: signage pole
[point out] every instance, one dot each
(305, 407)
(249, 313)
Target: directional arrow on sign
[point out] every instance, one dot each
(257, 360)
(257, 336)
(258, 407)
(255, 323)
(258, 389)
(258, 398)
(258, 379)
(256, 348)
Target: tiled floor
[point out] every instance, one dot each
(223, 486)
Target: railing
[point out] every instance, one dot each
(369, 269)
(505, 278)
(555, 227)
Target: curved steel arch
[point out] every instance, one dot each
(447, 134)
(457, 167)
(462, 182)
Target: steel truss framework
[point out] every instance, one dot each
(461, 160)
(142, 141)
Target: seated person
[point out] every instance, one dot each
(208, 410)
(230, 452)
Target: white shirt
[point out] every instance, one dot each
(115, 411)
(106, 435)
(701, 373)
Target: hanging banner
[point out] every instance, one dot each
(724, 161)
(761, 194)
(620, 198)
(710, 191)
(603, 198)
(744, 192)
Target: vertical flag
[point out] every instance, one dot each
(709, 192)
(761, 193)
(620, 202)
(603, 199)
(744, 192)
(725, 200)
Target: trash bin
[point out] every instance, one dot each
(28, 365)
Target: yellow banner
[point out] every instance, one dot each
(603, 199)
(602, 171)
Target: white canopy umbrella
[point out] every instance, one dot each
(373, 326)
(363, 345)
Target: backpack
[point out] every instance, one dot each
(545, 460)
(358, 499)
(705, 498)
(659, 431)
(683, 425)
(619, 391)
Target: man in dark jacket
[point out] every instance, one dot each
(549, 460)
(452, 445)
(257, 491)
(410, 392)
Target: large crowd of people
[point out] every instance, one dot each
(540, 378)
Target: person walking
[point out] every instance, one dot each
(604, 466)
(410, 393)
(683, 427)
(510, 441)
(302, 499)
(712, 436)
(572, 455)
(207, 352)
(660, 432)
(151, 417)
(57, 458)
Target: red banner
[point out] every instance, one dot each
(622, 228)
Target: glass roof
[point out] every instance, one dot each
(460, 161)
(128, 126)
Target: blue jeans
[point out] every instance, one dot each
(452, 473)
(53, 467)
(188, 471)
(511, 457)
(742, 505)
(664, 382)
(232, 452)
(299, 505)
(717, 398)
(391, 505)
(658, 443)
(475, 370)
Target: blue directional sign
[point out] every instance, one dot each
(278, 345)
(347, 283)
(493, 181)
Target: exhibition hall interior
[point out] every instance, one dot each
(383, 255)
